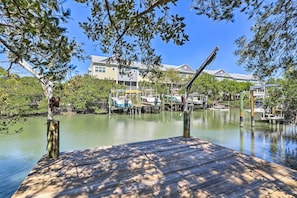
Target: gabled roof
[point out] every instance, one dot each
(218, 73)
(163, 67)
(243, 76)
(185, 68)
(235, 76)
(98, 59)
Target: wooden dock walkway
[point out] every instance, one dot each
(173, 167)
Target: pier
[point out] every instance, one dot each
(173, 167)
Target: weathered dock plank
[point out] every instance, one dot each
(173, 167)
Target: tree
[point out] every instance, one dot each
(124, 29)
(206, 84)
(171, 77)
(230, 89)
(32, 36)
(283, 97)
(18, 97)
(86, 93)
(289, 98)
(272, 48)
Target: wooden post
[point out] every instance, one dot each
(241, 140)
(109, 103)
(187, 125)
(252, 142)
(53, 138)
(252, 108)
(241, 109)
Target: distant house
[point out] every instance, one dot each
(101, 68)
(222, 75)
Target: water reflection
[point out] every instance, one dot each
(275, 143)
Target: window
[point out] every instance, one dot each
(99, 69)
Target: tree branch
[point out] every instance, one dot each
(8, 47)
(150, 9)
(109, 15)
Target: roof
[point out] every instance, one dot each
(103, 59)
(184, 68)
(222, 73)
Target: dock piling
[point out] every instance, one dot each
(252, 108)
(53, 138)
(241, 109)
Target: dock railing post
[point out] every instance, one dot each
(187, 111)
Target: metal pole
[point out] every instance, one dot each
(187, 111)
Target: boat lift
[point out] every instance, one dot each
(252, 88)
(187, 111)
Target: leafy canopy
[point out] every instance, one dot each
(124, 29)
(31, 31)
(272, 48)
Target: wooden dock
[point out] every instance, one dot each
(173, 167)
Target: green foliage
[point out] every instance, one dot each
(18, 96)
(290, 98)
(24, 96)
(31, 31)
(206, 84)
(124, 29)
(284, 97)
(170, 77)
(86, 93)
(226, 9)
(230, 89)
(272, 49)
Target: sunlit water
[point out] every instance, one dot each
(21, 151)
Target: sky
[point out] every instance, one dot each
(204, 36)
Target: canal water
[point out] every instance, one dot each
(19, 152)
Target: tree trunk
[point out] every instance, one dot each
(52, 125)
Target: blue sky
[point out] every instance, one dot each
(204, 36)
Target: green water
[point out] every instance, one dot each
(21, 151)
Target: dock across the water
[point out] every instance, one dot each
(173, 167)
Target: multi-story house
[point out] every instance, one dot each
(102, 69)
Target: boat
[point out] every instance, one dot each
(272, 118)
(121, 102)
(219, 107)
(198, 100)
(150, 101)
(256, 110)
